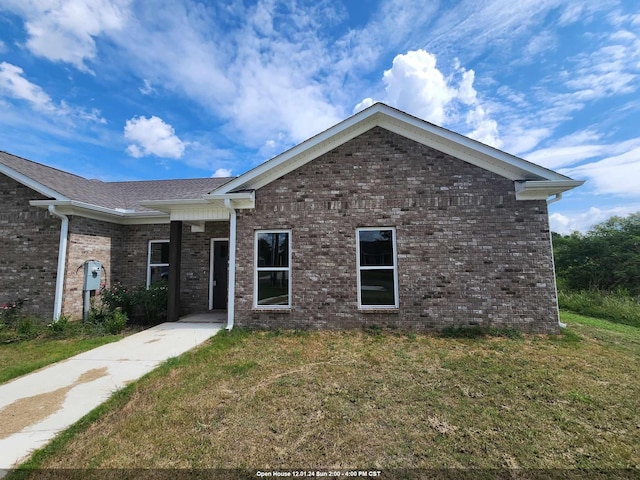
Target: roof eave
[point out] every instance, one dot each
(459, 146)
(96, 212)
(543, 189)
(31, 183)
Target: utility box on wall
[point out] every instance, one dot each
(92, 269)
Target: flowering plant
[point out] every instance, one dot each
(9, 312)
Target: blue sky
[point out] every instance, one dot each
(130, 89)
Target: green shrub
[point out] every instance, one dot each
(616, 307)
(154, 302)
(27, 328)
(59, 326)
(139, 304)
(10, 313)
(115, 322)
(119, 297)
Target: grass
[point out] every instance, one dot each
(345, 400)
(23, 357)
(611, 306)
(42, 346)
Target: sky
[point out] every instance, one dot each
(136, 90)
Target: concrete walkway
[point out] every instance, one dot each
(37, 406)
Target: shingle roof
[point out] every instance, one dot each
(113, 195)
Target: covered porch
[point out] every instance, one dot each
(196, 214)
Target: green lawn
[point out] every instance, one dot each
(377, 401)
(25, 356)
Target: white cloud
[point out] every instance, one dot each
(557, 157)
(566, 223)
(14, 85)
(261, 81)
(273, 103)
(146, 88)
(274, 71)
(540, 43)
(365, 103)
(610, 168)
(470, 26)
(611, 69)
(520, 137)
(222, 173)
(579, 147)
(64, 30)
(152, 136)
(617, 175)
(3, 47)
(416, 85)
(485, 129)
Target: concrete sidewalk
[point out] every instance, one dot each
(37, 406)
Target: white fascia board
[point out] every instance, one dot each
(459, 146)
(543, 189)
(239, 200)
(465, 148)
(72, 207)
(31, 183)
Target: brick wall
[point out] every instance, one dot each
(88, 240)
(468, 252)
(131, 268)
(29, 239)
(196, 253)
(123, 251)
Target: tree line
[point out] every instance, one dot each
(605, 259)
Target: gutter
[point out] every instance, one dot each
(62, 262)
(87, 210)
(543, 189)
(231, 291)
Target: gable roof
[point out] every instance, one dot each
(202, 199)
(527, 174)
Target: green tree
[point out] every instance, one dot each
(606, 258)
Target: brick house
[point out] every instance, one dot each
(382, 219)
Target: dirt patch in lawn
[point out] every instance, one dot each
(18, 415)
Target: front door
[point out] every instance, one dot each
(219, 274)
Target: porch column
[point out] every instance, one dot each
(175, 256)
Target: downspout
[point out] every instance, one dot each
(62, 262)
(555, 199)
(553, 263)
(231, 291)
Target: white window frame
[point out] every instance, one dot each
(258, 269)
(149, 264)
(393, 267)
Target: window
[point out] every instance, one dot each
(158, 261)
(273, 269)
(377, 268)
